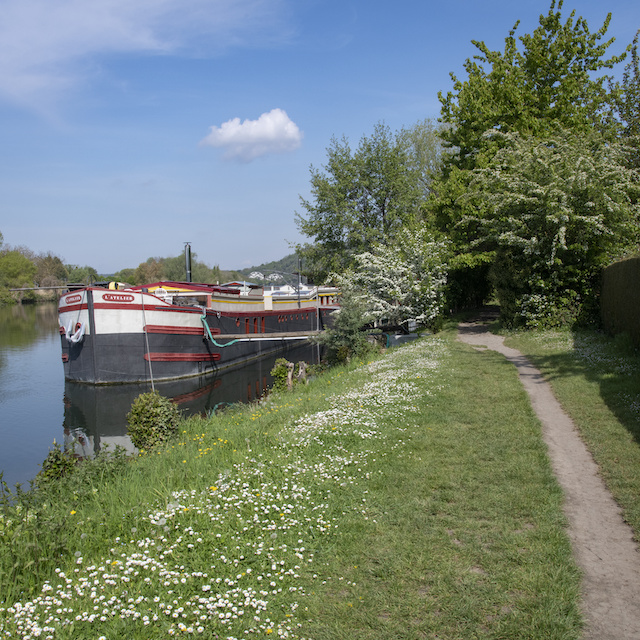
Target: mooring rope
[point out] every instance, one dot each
(146, 340)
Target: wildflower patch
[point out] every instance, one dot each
(235, 560)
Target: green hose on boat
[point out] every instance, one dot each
(208, 330)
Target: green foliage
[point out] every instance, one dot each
(83, 275)
(125, 275)
(543, 220)
(51, 270)
(628, 95)
(402, 282)
(150, 271)
(35, 528)
(558, 210)
(16, 270)
(153, 419)
(172, 269)
(280, 372)
(6, 298)
(58, 464)
(547, 80)
(423, 143)
(347, 339)
(362, 197)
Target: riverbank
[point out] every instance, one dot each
(410, 496)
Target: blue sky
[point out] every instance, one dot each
(131, 126)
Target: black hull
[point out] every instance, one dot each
(123, 359)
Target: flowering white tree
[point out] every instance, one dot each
(556, 210)
(401, 282)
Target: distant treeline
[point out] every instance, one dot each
(20, 267)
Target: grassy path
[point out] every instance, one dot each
(465, 536)
(409, 497)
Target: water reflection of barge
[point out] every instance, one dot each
(95, 416)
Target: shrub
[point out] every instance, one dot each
(153, 419)
(56, 465)
(347, 338)
(279, 372)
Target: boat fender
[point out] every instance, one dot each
(75, 334)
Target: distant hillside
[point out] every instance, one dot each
(277, 272)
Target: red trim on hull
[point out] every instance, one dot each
(73, 307)
(182, 357)
(188, 331)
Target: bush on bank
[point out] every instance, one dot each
(153, 419)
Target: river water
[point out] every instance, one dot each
(37, 406)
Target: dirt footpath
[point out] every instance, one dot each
(602, 543)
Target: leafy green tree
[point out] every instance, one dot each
(423, 144)
(200, 272)
(550, 80)
(125, 275)
(541, 82)
(150, 271)
(16, 270)
(628, 95)
(175, 269)
(83, 275)
(346, 339)
(361, 197)
(559, 208)
(51, 270)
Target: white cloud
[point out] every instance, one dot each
(272, 132)
(47, 46)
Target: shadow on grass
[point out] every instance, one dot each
(610, 363)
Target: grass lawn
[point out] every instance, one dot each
(406, 497)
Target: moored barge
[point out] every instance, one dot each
(169, 330)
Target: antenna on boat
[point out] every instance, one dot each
(187, 258)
